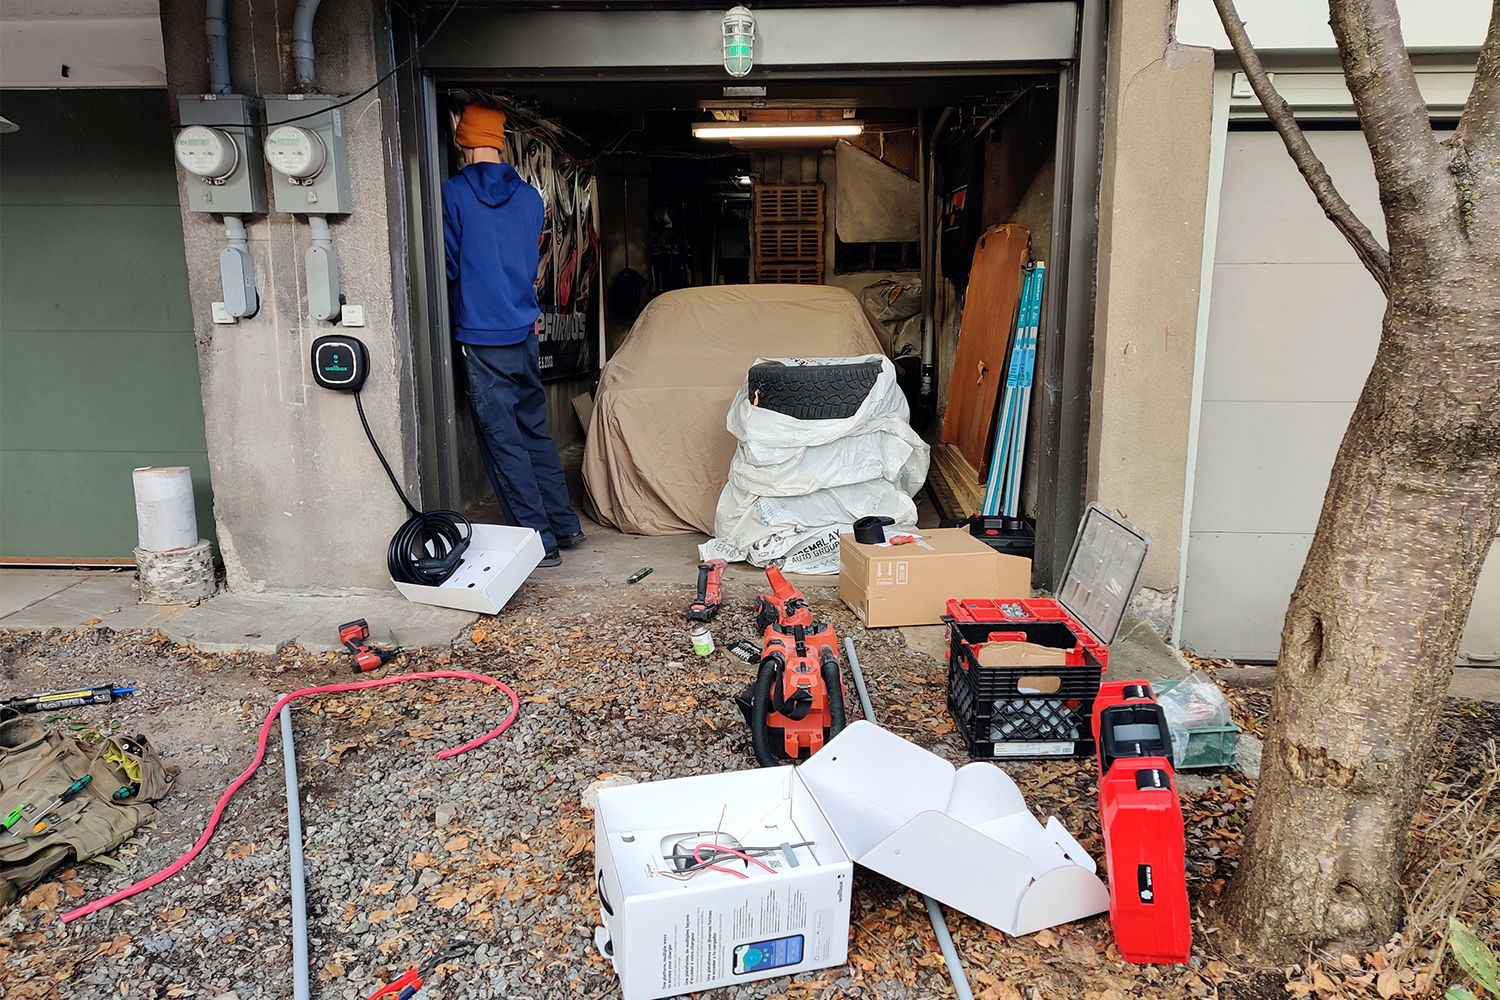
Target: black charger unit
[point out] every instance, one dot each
(430, 546)
(340, 363)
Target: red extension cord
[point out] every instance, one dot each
(260, 753)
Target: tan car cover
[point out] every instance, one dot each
(658, 453)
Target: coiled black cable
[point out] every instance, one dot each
(430, 545)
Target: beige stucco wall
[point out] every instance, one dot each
(1153, 191)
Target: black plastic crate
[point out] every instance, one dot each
(1050, 716)
(1011, 536)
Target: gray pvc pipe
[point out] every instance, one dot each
(300, 987)
(934, 908)
(216, 26)
(302, 43)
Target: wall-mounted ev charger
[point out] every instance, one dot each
(340, 363)
(431, 544)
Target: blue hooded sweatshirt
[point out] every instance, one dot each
(492, 227)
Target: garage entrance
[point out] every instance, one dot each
(965, 119)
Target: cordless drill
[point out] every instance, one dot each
(365, 657)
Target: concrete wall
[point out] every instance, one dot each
(1153, 194)
(299, 498)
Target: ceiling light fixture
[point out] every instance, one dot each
(739, 41)
(777, 130)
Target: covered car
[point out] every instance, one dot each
(658, 450)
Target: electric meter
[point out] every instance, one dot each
(207, 152)
(296, 152)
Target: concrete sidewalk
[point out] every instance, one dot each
(256, 623)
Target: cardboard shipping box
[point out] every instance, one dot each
(911, 584)
(962, 835)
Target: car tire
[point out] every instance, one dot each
(812, 392)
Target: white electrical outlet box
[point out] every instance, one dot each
(221, 313)
(308, 156)
(219, 150)
(353, 316)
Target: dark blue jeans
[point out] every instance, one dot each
(510, 408)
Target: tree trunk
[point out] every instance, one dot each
(1373, 629)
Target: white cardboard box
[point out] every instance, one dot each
(499, 559)
(963, 836)
(667, 937)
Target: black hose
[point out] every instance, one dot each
(760, 706)
(833, 680)
(430, 545)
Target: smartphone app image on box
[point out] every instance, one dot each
(762, 955)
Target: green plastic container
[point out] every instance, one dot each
(1208, 746)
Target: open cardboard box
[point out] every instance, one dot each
(498, 560)
(963, 836)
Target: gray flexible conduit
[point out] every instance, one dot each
(934, 908)
(300, 987)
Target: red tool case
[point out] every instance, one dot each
(1143, 832)
(1029, 712)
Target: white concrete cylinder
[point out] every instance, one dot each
(164, 515)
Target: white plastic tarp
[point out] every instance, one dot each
(796, 485)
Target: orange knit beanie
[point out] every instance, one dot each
(481, 125)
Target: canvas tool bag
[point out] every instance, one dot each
(36, 766)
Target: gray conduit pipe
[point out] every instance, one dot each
(300, 987)
(217, 29)
(302, 43)
(934, 908)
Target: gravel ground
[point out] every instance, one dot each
(493, 849)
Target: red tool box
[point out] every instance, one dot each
(1142, 820)
(1030, 711)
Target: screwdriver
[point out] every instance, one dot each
(66, 699)
(66, 797)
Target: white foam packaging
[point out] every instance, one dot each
(498, 560)
(963, 836)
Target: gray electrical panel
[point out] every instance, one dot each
(240, 188)
(309, 157)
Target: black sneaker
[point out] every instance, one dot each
(553, 558)
(572, 541)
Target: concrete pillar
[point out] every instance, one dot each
(1153, 191)
(299, 498)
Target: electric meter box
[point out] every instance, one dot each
(219, 149)
(308, 157)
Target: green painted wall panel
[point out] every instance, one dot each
(118, 147)
(96, 267)
(46, 379)
(81, 504)
(98, 368)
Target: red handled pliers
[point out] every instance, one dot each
(407, 986)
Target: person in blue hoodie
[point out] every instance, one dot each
(492, 227)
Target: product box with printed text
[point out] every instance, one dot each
(911, 584)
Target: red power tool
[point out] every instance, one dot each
(796, 704)
(710, 580)
(1142, 820)
(365, 657)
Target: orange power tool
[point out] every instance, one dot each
(365, 657)
(710, 582)
(796, 704)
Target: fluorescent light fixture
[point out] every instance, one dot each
(743, 179)
(778, 130)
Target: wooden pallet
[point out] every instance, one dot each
(789, 204)
(961, 480)
(796, 244)
(789, 273)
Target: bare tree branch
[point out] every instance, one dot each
(1410, 165)
(1374, 256)
(1479, 128)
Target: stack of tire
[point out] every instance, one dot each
(823, 442)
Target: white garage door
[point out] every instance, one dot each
(1293, 325)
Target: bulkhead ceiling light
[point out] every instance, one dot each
(739, 40)
(778, 130)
